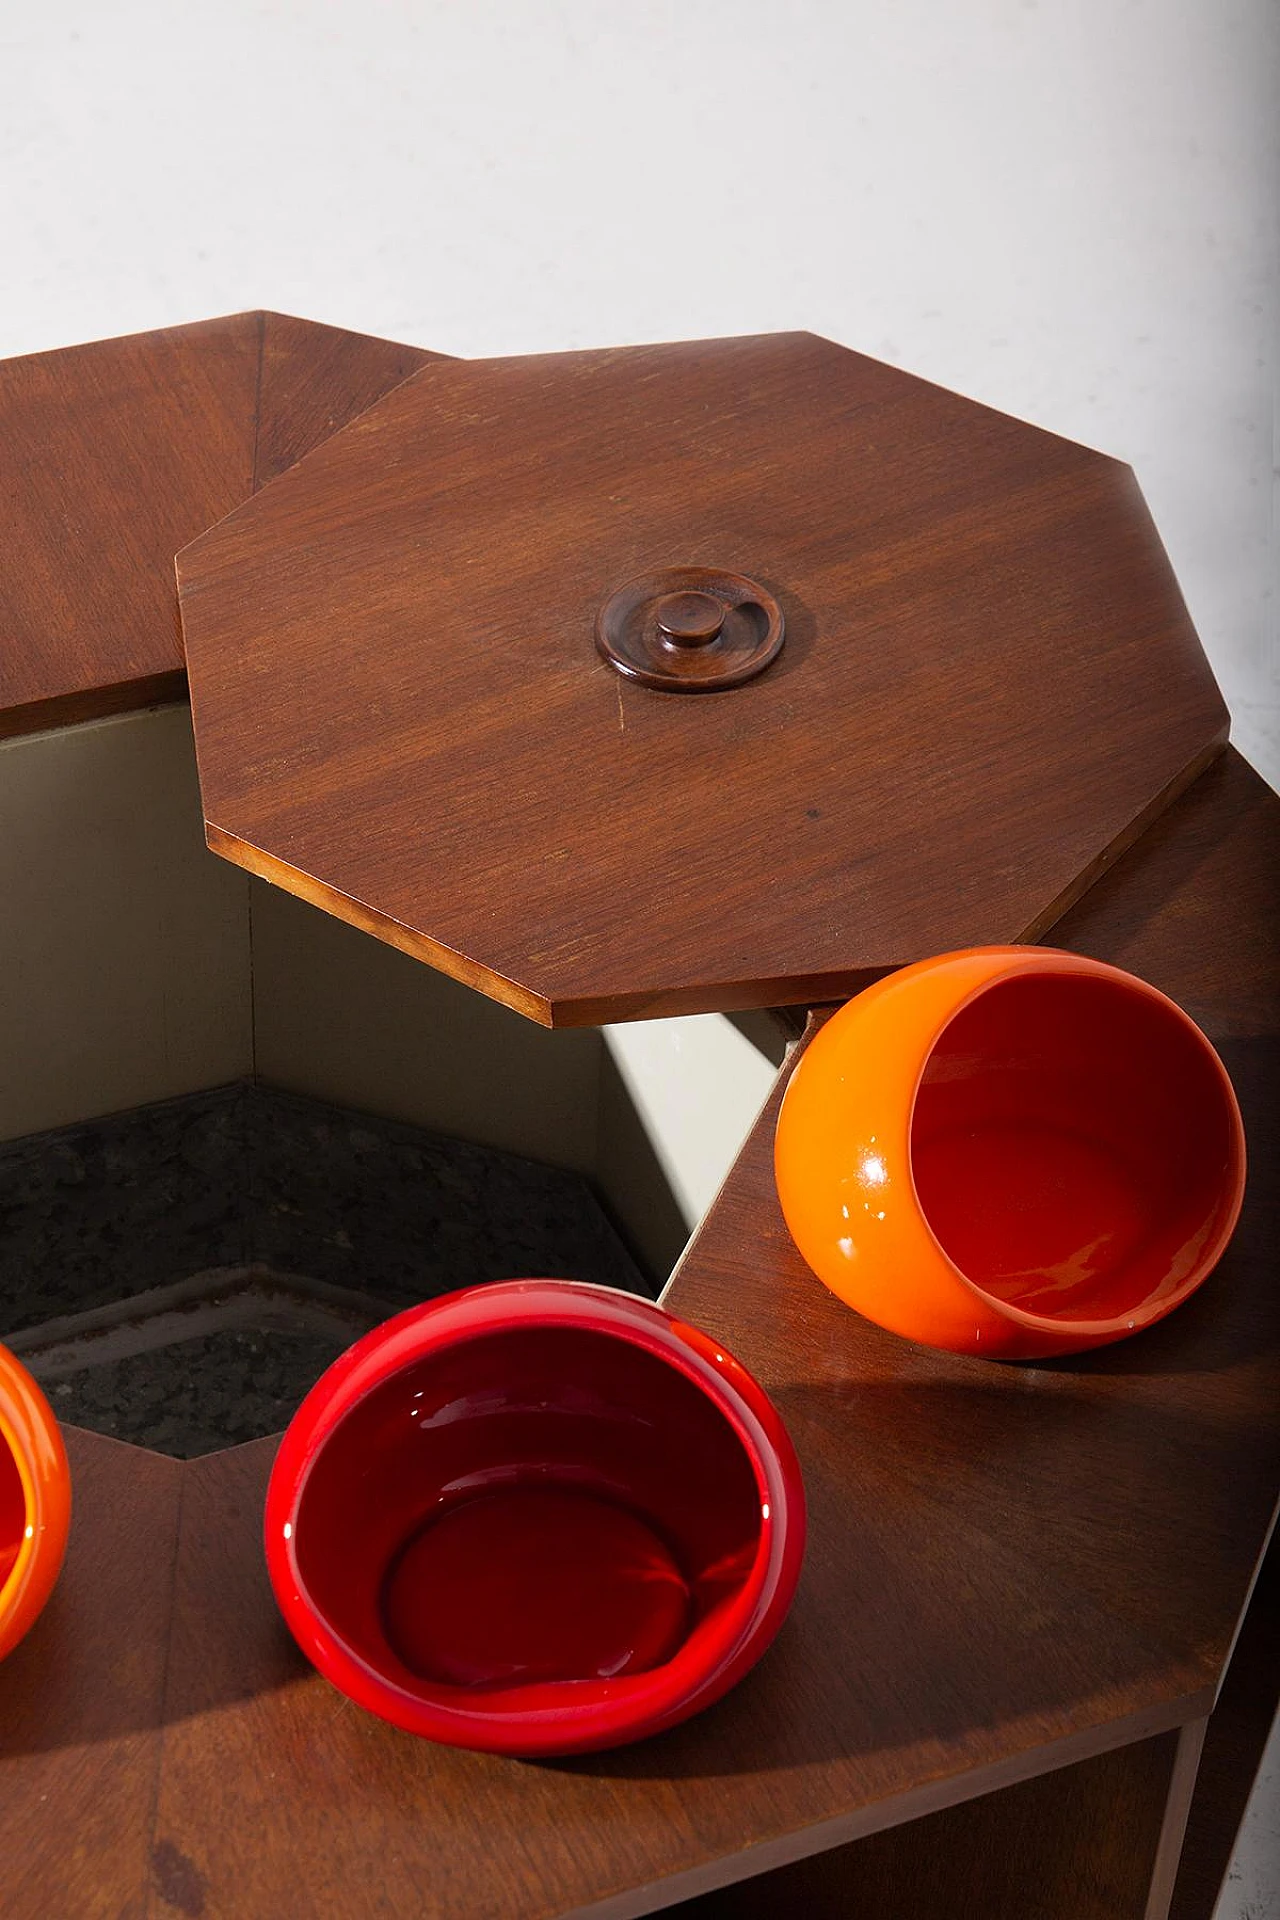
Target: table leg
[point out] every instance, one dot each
(1182, 1786)
(1095, 1841)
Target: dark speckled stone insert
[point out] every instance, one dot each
(249, 1176)
(197, 1395)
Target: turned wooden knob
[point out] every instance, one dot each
(689, 619)
(690, 629)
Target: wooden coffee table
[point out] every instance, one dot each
(1023, 1663)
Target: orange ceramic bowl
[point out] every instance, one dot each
(35, 1500)
(1011, 1151)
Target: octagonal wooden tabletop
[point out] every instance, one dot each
(988, 682)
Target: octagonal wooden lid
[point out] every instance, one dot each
(413, 703)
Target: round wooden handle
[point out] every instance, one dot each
(689, 619)
(690, 629)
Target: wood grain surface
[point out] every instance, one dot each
(314, 380)
(81, 1698)
(989, 682)
(115, 454)
(1012, 1569)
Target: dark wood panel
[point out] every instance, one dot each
(111, 455)
(1195, 907)
(1233, 1747)
(115, 454)
(1078, 1844)
(314, 380)
(81, 1698)
(989, 682)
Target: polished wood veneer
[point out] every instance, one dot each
(115, 454)
(989, 683)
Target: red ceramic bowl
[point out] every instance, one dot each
(35, 1500)
(535, 1517)
(1012, 1152)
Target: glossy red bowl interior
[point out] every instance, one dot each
(535, 1517)
(13, 1511)
(1076, 1148)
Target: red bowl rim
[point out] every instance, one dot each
(565, 1716)
(29, 1431)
